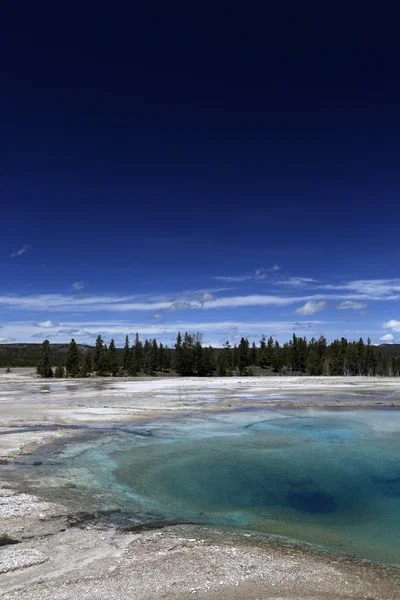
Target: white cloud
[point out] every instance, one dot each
(188, 300)
(392, 324)
(351, 304)
(47, 324)
(297, 281)
(388, 337)
(257, 275)
(370, 288)
(311, 307)
(6, 340)
(78, 285)
(78, 332)
(24, 248)
(22, 330)
(234, 278)
(59, 302)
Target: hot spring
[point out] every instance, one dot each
(329, 478)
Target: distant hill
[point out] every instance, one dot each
(389, 349)
(27, 355)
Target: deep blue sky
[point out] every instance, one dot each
(168, 161)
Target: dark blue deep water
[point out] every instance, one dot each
(330, 478)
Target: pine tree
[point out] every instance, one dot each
(136, 361)
(98, 353)
(147, 358)
(228, 355)
(394, 371)
(187, 355)
(59, 372)
(72, 360)
(178, 354)
(235, 357)
(209, 364)
(222, 368)
(253, 354)
(154, 356)
(44, 367)
(113, 363)
(314, 362)
(243, 356)
(126, 357)
(86, 367)
(198, 358)
(370, 359)
(165, 358)
(270, 351)
(262, 353)
(103, 366)
(276, 359)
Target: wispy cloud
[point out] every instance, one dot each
(373, 288)
(77, 332)
(257, 275)
(234, 278)
(24, 248)
(346, 304)
(311, 307)
(78, 285)
(121, 328)
(183, 301)
(297, 281)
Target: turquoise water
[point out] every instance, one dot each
(330, 478)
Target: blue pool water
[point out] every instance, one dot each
(330, 478)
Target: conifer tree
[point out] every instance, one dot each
(235, 357)
(222, 367)
(59, 372)
(44, 366)
(113, 364)
(314, 363)
(253, 354)
(188, 356)
(154, 356)
(98, 353)
(243, 356)
(72, 360)
(208, 363)
(276, 359)
(228, 355)
(370, 359)
(126, 357)
(103, 366)
(136, 362)
(178, 354)
(262, 353)
(198, 358)
(86, 367)
(394, 371)
(269, 351)
(164, 358)
(134, 366)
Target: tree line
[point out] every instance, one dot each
(189, 357)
